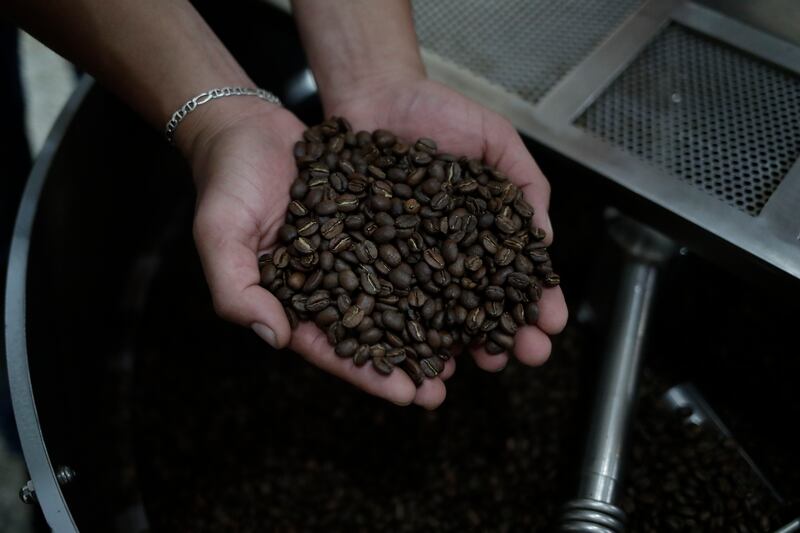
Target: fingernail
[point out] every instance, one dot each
(266, 334)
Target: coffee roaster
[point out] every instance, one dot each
(688, 113)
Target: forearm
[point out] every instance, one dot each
(154, 54)
(357, 43)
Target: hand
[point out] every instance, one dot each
(241, 157)
(413, 107)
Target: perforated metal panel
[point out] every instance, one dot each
(525, 46)
(705, 113)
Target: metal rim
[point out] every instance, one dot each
(48, 492)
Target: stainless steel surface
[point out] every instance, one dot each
(705, 114)
(791, 527)
(523, 46)
(43, 477)
(578, 89)
(601, 471)
(773, 235)
(776, 17)
(64, 475)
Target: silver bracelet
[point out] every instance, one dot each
(212, 94)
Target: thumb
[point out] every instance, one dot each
(231, 269)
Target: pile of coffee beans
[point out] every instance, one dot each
(400, 252)
(688, 477)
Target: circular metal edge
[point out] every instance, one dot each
(48, 492)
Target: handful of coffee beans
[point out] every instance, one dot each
(400, 253)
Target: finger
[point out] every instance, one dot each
(231, 269)
(487, 361)
(553, 313)
(449, 369)
(430, 394)
(507, 153)
(312, 344)
(532, 346)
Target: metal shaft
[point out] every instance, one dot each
(594, 508)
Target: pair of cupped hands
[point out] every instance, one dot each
(240, 150)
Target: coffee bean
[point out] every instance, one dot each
(502, 339)
(431, 366)
(370, 283)
(433, 257)
(340, 243)
(346, 347)
(298, 190)
(348, 280)
(393, 320)
(382, 365)
(331, 228)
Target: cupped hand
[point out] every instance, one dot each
(241, 157)
(417, 107)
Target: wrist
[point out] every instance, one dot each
(207, 121)
(365, 82)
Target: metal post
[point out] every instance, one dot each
(594, 509)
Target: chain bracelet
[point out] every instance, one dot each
(212, 94)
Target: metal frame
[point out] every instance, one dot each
(773, 235)
(43, 477)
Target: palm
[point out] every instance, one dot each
(424, 108)
(243, 176)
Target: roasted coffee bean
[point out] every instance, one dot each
(366, 252)
(433, 257)
(531, 313)
(518, 280)
(340, 243)
(400, 278)
(431, 366)
(346, 347)
(370, 336)
(508, 324)
(370, 283)
(348, 280)
(396, 355)
(313, 281)
(268, 274)
(414, 371)
(393, 320)
(331, 228)
(492, 348)
(382, 365)
(502, 339)
(389, 254)
(318, 301)
(298, 190)
(475, 318)
(307, 227)
(352, 317)
(361, 355)
(384, 234)
(326, 316)
(416, 331)
(551, 280)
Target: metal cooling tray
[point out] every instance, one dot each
(693, 107)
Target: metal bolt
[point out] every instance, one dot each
(64, 475)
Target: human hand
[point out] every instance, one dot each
(241, 157)
(413, 107)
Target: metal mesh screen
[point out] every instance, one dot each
(706, 113)
(525, 46)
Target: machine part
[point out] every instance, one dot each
(595, 508)
(64, 475)
(791, 527)
(686, 395)
(43, 477)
